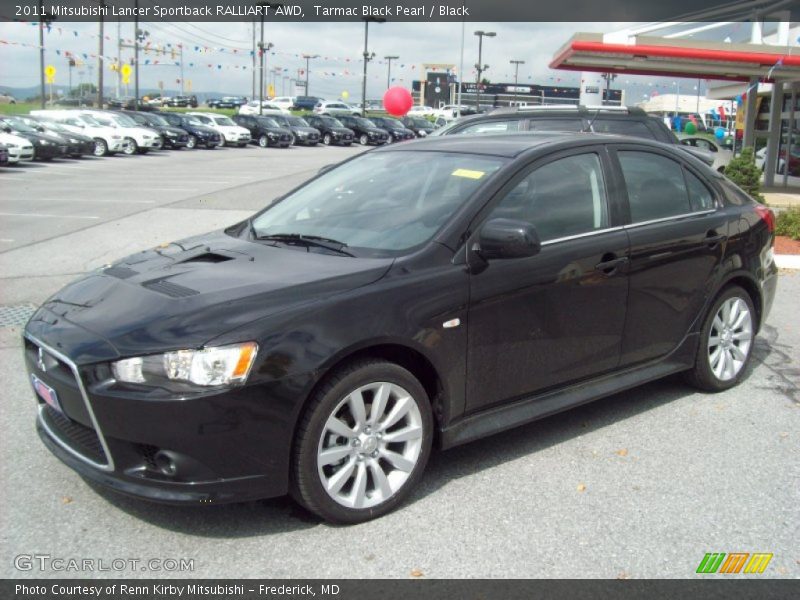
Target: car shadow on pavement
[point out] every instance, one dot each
(280, 515)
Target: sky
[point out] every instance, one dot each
(222, 62)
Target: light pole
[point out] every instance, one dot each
(389, 73)
(43, 22)
(609, 77)
(263, 49)
(100, 62)
(516, 64)
(309, 58)
(480, 67)
(139, 36)
(367, 57)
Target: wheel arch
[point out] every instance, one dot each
(411, 358)
(747, 282)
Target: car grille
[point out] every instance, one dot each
(80, 438)
(183, 138)
(313, 136)
(347, 136)
(285, 137)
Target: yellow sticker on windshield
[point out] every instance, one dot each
(468, 173)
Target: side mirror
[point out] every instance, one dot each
(508, 238)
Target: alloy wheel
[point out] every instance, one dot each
(131, 147)
(363, 140)
(263, 141)
(326, 139)
(191, 143)
(369, 445)
(100, 148)
(730, 338)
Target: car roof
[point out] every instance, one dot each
(511, 145)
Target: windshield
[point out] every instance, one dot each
(331, 122)
(156, 120)
(202, 120)
(193, 121)
(297, 121)
(267, 122)
(421, 123)
(125, 121)
(19, 125)
(225, 121)
(89, 120)
(362, 122)
(382, 203)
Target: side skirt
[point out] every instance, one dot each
(497, 419)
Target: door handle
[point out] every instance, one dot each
(713, 238)
(610, 263)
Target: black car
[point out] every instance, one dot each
(445, 289)
(306, 102)
(304, 134)
(78, 145)
(181, 102)
(198, 134)
(397, 131)
(171, 137)
(331, 130)
(45, 147)
(421, 126)
(227, 102)
(264, 131)
(366, 132)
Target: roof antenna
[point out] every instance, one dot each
(588, 128)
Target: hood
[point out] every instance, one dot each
(171, 129)
(12, 138)
(299, 128)
(187, 293)
(343, 130)
(202, 129)
(278, 130)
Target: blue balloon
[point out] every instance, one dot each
(739, 99)
(719, 133)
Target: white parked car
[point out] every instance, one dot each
(448, 111)
(107, 140)
(19, 148)
(761, 161)
(284, 102)
(139, 139)
(230, 132)
(721, 156)
(267, 108)
(421, 111)
(333, 109)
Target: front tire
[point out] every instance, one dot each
(363, 442)
(131, 147)
(100, 147)
(263, 141)
(191, 143)
(364, 139)
(726, 342)
(327, 139)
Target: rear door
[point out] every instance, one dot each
(677, 238)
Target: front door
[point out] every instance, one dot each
(539, 322)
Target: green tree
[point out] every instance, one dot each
(742, 171)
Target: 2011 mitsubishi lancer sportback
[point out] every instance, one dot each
(431, 292)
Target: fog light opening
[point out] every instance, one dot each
(165, 464)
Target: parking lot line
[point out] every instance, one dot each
(5, 214)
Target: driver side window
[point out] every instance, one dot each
(562, 198)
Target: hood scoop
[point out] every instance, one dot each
(207, 257)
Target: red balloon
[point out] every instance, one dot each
(397, 101)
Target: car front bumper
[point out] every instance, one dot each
(223, 446)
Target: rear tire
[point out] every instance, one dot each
(362, 443)
(726, 342)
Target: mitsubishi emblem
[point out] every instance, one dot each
(42, 366)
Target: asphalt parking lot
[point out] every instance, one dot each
(641, 484)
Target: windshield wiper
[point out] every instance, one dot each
(305, 240)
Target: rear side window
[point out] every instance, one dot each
(562, 198)
(655, 185)
(489, 127)
(622, 127)
(700, 197)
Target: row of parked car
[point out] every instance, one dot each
(51, 133)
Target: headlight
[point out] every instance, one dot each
(302, 134)
(44, 142)
(12, 145)
(223, 365)
(272, 136)
(422, 133)
(172, 134)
